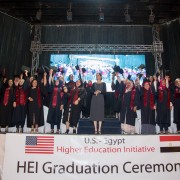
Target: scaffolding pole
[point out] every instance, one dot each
(157, 50)
(35, 49)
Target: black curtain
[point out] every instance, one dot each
(150, 64)
(15, 40)
(97, 35)
(170, 35)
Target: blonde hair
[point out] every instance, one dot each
(176, 81)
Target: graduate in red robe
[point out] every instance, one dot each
(20, 105)
(55, 107)
(176, 104)
(116, 88)
(74, 106)
(164, 106)
(6, 106)
(148, 109)
(35, 104)
(130, 102)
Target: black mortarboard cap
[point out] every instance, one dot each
(54, 68)
(139, 75)
(142, 66)
(167, 73)
(129, 77)
(115, 68)
(118, 69)
(121, 71)
(83, 70)
(46, 69)
(25, 68)
(77, 67)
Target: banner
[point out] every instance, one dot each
(87, 157)
(2, 146)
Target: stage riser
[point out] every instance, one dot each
(109, 126)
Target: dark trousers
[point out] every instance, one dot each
(164, 126)
(178, 126)
(52, 125)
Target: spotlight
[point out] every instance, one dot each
(69, 13)
(101, 15)
(151, 16)
(39, 15)
(127, 15)
(127, 18)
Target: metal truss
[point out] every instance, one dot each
(157, 49)
(35, 62)
(35, 49)
(108, 48)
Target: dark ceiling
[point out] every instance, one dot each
(118, 12)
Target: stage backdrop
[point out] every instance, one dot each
(80, 34)
(15, 41)
(75, 157)
(170, 34)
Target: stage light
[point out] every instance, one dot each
(127, 15)
(101, 15)
(151, 16)
(69, 13)
(39, 13)
(128, 18)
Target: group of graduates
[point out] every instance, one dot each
(24, 97)
(154, 98)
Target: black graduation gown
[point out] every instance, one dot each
(33, 108)
(87, 102)
(6, 111)
(54, 113)
(66, 96)
(147, 114)
(76, 109)
(117, 95)
(127, 115)
(19, 112)
(49, 89)
(176, 104)
(163, 112)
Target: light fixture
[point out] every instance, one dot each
(39, 13)
(101, 15)
(127, 15)
(69, 13)
(151, 16)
